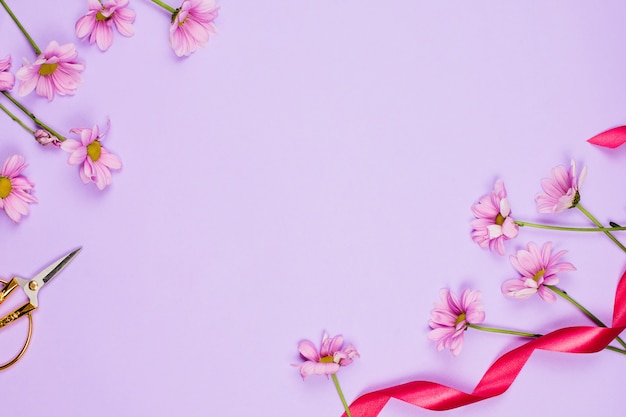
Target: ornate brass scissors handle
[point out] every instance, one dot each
(31, 288)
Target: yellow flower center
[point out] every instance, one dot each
(539, 275)
(94, 149)
(575, 200)
(47, 69)
(5, 187)
(499, 219)
(459, 319)
(100, 17)
(175, 16)
(327, 359)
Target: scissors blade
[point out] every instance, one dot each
(57, 266)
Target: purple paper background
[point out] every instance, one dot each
(312, 169)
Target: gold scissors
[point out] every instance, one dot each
(31, 288)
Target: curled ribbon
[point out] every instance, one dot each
(502, 373)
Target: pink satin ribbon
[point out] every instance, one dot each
(500, 376)
(611, 138)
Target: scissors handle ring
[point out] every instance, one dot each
(26, 343)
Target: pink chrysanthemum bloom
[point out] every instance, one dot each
(451, 316)
(493, 224)
(55, 71)
(191, 25)
(331, 356)
(15, 189)
(537, 269)
(560, 190)
(98, 23)
(96, 161)
(7, 79)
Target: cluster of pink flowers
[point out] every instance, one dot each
(190, 28)
(60, 76)
(95, 162)
(538, 268)
(57, 71)
(493, 224)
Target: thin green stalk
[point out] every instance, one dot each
(568, 229)
(164, 5)
(586, 312)
(503, 331)
(597, 223)
(15, 119)
(530, 335)
(614, 349)
(32, 116)
(340, 392)
(19, 25)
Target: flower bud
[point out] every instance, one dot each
(46, 138)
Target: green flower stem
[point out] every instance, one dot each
(614, 349)
(15, 119)
(587, 313)
(165, 6)
(32, 116)
(19, 25)
(530, 335)
(343, 399)
(503, 331)
(568, 229)
(597, 223)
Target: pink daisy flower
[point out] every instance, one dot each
(493, 225)
(15, 188)
(537, 268)
(451, 316)
(7, 79)
(331, 356)
(55, 71)
(560, 190)
(98, 23)
(191, 25)
(97, 162)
